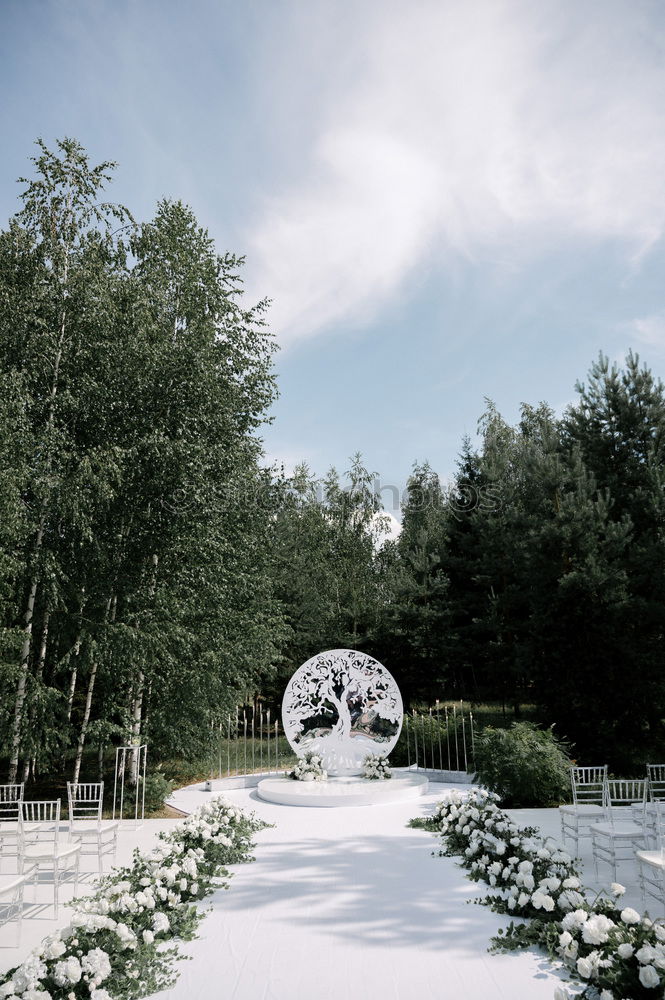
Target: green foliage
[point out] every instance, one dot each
(524, 765)
(149, 560)
(414, 630)
(135, 568)
(542, 569)
(428, 823)
(127, 933)
(325, 571)
(157, 790)
(180, 771)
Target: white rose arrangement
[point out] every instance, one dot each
(123, 935)
(376, 767)
(613, 950)
(309, 768)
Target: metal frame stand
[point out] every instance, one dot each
(123, 756)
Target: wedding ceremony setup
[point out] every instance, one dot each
(355, 885)
(332, 500)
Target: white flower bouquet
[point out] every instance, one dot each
(119, 944)
(613, 950)
(309, 768)
(376, 767)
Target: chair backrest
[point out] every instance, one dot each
(11, 896)
(588, 785)
(85, 800)
(621, 794)
(41, 817)
(10, 802)
(656, 782)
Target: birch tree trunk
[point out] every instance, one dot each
(25, 661)
(31, 762)
(72, 679)
(34, 583)
(137, 706)
(43, 642)
(135, 731)
(75, 653)
(139, 690)
(88, 705)
(85, 721)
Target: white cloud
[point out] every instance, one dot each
(347, 238)
(288, 458)
(649, 332)
(463, 131)
(387, 527)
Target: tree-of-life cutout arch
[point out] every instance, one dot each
(343, 705)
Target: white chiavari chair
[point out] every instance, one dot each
(588, 805)
(97, 837)
(11, 899)
(652, 875)
(41, 843)
(11, 797)
(623, 829)
(652, 862)
(655, 807)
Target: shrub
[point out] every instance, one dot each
(184, 772)
(157, 789)
(524, 765)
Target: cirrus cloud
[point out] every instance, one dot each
(465, 132)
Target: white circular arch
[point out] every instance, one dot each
(343, 705)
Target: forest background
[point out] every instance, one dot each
(155, 574)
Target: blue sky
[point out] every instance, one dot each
(445, 201)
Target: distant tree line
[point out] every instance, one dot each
(554, 595)
(154, 574)
(537, 577)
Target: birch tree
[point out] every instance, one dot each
(135, 591)
(56, 256)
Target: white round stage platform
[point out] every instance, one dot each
(342, 791)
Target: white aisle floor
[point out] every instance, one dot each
(349, 904)
(340, 904)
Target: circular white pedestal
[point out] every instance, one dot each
(342, 791)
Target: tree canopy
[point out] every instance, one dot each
(154, 573)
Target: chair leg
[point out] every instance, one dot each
(19, 919)
(594, 852)
(56, 885)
